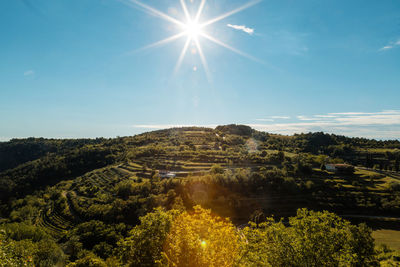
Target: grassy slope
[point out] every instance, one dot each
(388, 237)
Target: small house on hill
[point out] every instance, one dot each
(340, 168)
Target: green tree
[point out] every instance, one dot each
(90, 260)
(19, 246)
(15, 254)
(217, 169)
(200, 238)
(48, 254)
(144, 244)
(311, 239)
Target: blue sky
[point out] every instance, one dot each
(76, 68)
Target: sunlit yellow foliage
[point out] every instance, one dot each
(200, 238)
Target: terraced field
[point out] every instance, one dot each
(98, 187)
(54, 223)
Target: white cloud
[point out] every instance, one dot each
(280, 117)
(4, 139)
(273, 118)
(325, 116)
(241, 28)
(379, 125)
(29, 72)
(351, 113)
(371, 131)
(305, 118)
(386, 47)
(167, 126)
(391, 45)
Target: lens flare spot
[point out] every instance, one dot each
(252, 145)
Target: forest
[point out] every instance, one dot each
(229, 196)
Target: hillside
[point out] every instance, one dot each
(87, 195)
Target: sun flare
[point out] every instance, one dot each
(192, 30)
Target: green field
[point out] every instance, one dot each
(388, 237)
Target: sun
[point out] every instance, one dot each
(192, 29)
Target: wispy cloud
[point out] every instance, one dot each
(166, 126)
(325, 116)
(379, 125)
(273, 118)
(386, 47)
(391, 45)
(280, 117)
(29, 72)
(241, 28)
(305, 118)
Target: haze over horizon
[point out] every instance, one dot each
(81, 68)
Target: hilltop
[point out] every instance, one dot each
(66, 187)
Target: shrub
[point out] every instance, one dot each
(311, 239)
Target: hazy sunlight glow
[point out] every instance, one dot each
(192, 29)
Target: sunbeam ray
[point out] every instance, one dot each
(237, 51)
(185, 10)
(162, 42)
(230, 13)
(203, 2)
(158, 13)
(203, 59)
(182, 55)
(193, 30)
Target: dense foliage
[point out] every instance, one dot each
(200, 238)
(136, 201)
(310, 239)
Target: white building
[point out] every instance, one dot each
(167, 174)
(339, 168)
